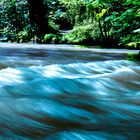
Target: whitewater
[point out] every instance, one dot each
(54, 93)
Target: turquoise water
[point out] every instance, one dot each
(54, 94)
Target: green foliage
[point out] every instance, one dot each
(23, 36)
(83, 34)
(53, 27)
(14, 19)
(110, 22)
(133, 45)
(133, 57)
(13, 15)
(15, 24)
(52, 38)
(74, 12)
(81, 46)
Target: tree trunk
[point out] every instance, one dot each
(105, 30)
(100, 27)
(38, 14)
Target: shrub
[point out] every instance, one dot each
(53, 27)
(133, 45)
(52, 38)
(82, 34)
(22, 36)
(133, 57)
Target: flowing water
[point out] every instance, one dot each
(68, 94)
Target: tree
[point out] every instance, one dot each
(13, 18)
(38, 15)
(117, 20)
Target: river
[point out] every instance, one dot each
(64, 93)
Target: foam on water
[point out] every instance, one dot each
(63, 93)
(78, 101)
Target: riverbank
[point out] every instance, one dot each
(65, 47)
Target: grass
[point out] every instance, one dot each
(81, 46)
(133, 57)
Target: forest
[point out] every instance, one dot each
(110, 23)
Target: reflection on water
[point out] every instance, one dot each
(67, 95)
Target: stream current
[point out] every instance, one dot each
(67, 94)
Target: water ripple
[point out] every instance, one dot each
(78, 101)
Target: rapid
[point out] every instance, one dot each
(68, 94)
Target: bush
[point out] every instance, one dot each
(52, 38)
(133, 57)
(53, 27)
(22, 36)
(7, 35)
(82, 34)
(133, 45)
